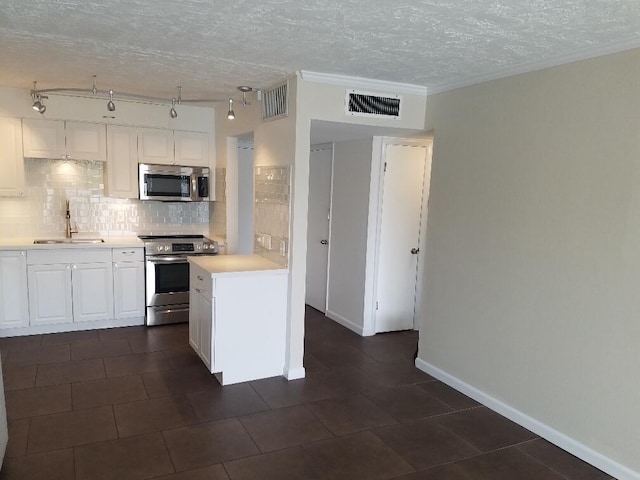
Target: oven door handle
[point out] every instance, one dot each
(167, 259)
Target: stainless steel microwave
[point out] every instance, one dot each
(173, 183)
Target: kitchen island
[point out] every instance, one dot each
(237, 318)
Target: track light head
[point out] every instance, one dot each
(172, 112)
(38, 106)
(244, 89)
(110, 105)
(231, 114)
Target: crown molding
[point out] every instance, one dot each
(364, 83)
(528, 67)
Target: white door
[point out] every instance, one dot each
(320, 167)
(92, 291)
(403, 181)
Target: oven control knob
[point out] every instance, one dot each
(159, 247)
(206, 246)
(166, 248)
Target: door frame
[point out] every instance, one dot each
(375, 224)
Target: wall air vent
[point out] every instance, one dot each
(366, 104)
(275, 101)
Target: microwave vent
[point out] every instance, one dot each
(369, 104)
(275, 101)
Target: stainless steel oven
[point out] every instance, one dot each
(167, 275)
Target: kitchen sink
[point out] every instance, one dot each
(56, 241)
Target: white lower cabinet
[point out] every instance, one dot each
(14, 304)
(92, 286)
(55, 290)
(237, 316)
(50, 294)
(128, 289)
(61, 293)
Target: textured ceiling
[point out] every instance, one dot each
(211, 46)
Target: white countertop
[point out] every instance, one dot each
(109, 242)
(236, 264)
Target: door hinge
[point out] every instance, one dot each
(385, 166)
(376, 305)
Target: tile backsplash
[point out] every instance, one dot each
(41, 212)
(271, 213)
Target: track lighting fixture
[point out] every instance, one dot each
(38, 105)
(110, 105)
(244, 89)
(37, 98)
(231, 114)
(172, 112)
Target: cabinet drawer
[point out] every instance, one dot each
(201, 280)
(68, 255)
(128, 254)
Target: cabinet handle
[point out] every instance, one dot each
(128, 253)
(199, 278)
(75, 266)
(115, 265)
(22, 253)
(198, 290)
(68, 267)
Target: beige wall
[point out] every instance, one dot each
(349, 223)
(532, 289)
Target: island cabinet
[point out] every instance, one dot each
(237, 316)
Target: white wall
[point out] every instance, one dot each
(245, 200)
(350, 211)
(532, 293)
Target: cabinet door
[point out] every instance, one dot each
(92, 291)
(14, 306)
(194, 320)
(122, 162)
(49, 294)
(192, 148)
(43, 138)
(11, 158)
(86, 141)
(128, 289)
(155, 145)
(206, 331)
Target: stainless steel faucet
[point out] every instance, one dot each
(68, 232)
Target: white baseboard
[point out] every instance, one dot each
(70, 327)
(572, 446)
(294, 373)
(354, 327)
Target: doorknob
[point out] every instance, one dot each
(414, 251)
(324, 242)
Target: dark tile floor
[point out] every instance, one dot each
(136, 403)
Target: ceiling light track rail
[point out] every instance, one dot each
(40, 94)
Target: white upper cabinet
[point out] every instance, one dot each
(191, 148)
(43, 138)
(59, 139)
(86, 141)
(11, 158)
(169, 147)
(122, 162)
(155, 145)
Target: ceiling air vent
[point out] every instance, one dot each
(275, 101)
(368, 104)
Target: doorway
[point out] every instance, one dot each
(318, 225)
